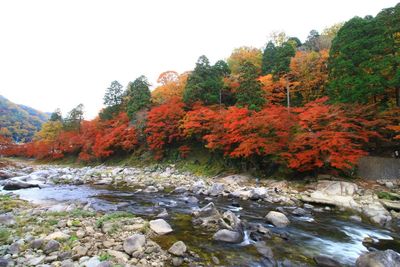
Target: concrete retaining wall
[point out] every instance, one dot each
(379, 168)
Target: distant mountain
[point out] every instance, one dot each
(19, 121)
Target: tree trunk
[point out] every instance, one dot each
(398, 97)
(288, 94)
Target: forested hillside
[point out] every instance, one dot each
(19, 122)
(292, 106)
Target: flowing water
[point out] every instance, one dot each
(328, 233)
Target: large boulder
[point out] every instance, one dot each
(216, 189)
(228, 236)
(160, 226)
(207, 216)
(277, 218)
(387, 258)
(320, 197)
(258, 193)
(134, 243)
(337, 188)
(16, 185)
(377, 213)
(178, 248)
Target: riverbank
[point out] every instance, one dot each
(91, 234)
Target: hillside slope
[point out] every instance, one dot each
(19, 121)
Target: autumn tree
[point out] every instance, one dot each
(172, 86)
(204, 83)
(138, 95)
(249, 92)
(326, 138)
(309, 73)
(163, 125)
(115, 136)
(244, 54)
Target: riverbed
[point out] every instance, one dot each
(327, 231)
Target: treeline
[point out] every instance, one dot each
(312, 106)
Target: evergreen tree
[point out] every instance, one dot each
(56, 115)
(249, 93)
(74, 118)
(112, 100)
(268, 58)
(138, 95)
(113, 95)
(204, 83)
(282, 59)
(364, 60)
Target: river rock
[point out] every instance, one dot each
(277, 218)
(92, 262)
(163, 214)
(216, 189)
(36, 260)
(191, 200)
(150, 189)
(300, 212)
(258, 193)
(160, 226)
(7, 219)
(67, 263)
(57, 236)
(377, 213)
(236, 179)
(355, 218)
(178, 248)
(16, 185)
(207, 216)
(79, 251)
(231, 221)
(264, 250)
(134, 243)
(52, 246)
(337, 188)
(105, 264)
(177, 261)
(37, 243)
(228, 236)
(324, 261)
(198, 187)
(335, 200)
(119, 256)
(14, 248)
(390, 204)
(387, 258)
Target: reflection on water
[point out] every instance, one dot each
(326, 232)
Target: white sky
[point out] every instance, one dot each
(62, 53)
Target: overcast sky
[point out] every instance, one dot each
(62, 53)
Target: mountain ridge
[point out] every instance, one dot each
(20, 122)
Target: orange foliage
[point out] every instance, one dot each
(172, 86)
(275, 91)
(326, 137)
(163, 125)
(117, 135)
(309, 70)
